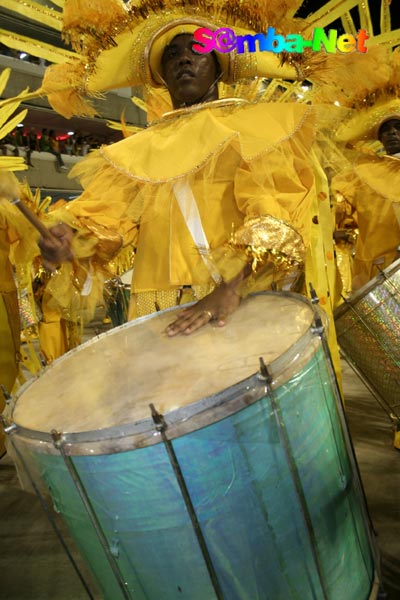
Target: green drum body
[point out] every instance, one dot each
(184, 470)
(368, 332)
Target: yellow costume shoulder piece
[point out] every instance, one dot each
(367, 89)
(381, 174)
(155, 155)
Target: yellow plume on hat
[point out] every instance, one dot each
(113, 41)
(366, 84)
(120, 45)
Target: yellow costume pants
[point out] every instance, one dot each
(9, 348)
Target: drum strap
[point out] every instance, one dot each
(190, 211)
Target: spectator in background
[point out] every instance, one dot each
(22, 141)
(78, 143)
(95, 144)
(18, 139)
(69, 146)
(85, 146)
(55, 149)
(44, 142)
(32, 144)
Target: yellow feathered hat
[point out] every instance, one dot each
(367, 85)
(120, 44)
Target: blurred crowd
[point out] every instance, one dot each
(44, 140)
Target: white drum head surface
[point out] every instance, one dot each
(112, 379)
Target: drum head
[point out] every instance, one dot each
(112, 379)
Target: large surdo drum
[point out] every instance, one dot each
(184, 470)
(368, 332)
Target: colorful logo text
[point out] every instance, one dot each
(225, 40)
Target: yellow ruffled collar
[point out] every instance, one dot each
(188, 110)
(185, 140)
(381, 174)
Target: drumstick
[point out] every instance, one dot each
(9, 189)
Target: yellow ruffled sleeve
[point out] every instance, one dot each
(274, 192)
(105, 222)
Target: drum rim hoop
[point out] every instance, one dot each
(367, 288)
(143, 432)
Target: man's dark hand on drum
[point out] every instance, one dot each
(217, 306)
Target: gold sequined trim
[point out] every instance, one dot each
(145, 303)
(269, 239)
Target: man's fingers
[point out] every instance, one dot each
(188, 323)
(55, 251)
(202, 319)
(221, 320)
(62, 231)
(177, 326)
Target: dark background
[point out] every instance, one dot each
(310, 6)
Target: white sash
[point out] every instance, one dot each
(187, 204)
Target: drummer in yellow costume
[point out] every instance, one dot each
(371, 187)
(9, 313)
(19, 237)
(17, 246)
(217, 193)
(368, 181)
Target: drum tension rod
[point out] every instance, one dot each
(313, 294)
(8, 427)
(161, 426)
(59, 443)
(158, 419)
(296, 480)
(45, 507)
(318, 324)
(264, 373)
(6, 394)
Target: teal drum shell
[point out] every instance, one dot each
(368, 332)
(270, 481)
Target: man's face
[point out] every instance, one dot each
(189, 76)
(389, 135)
